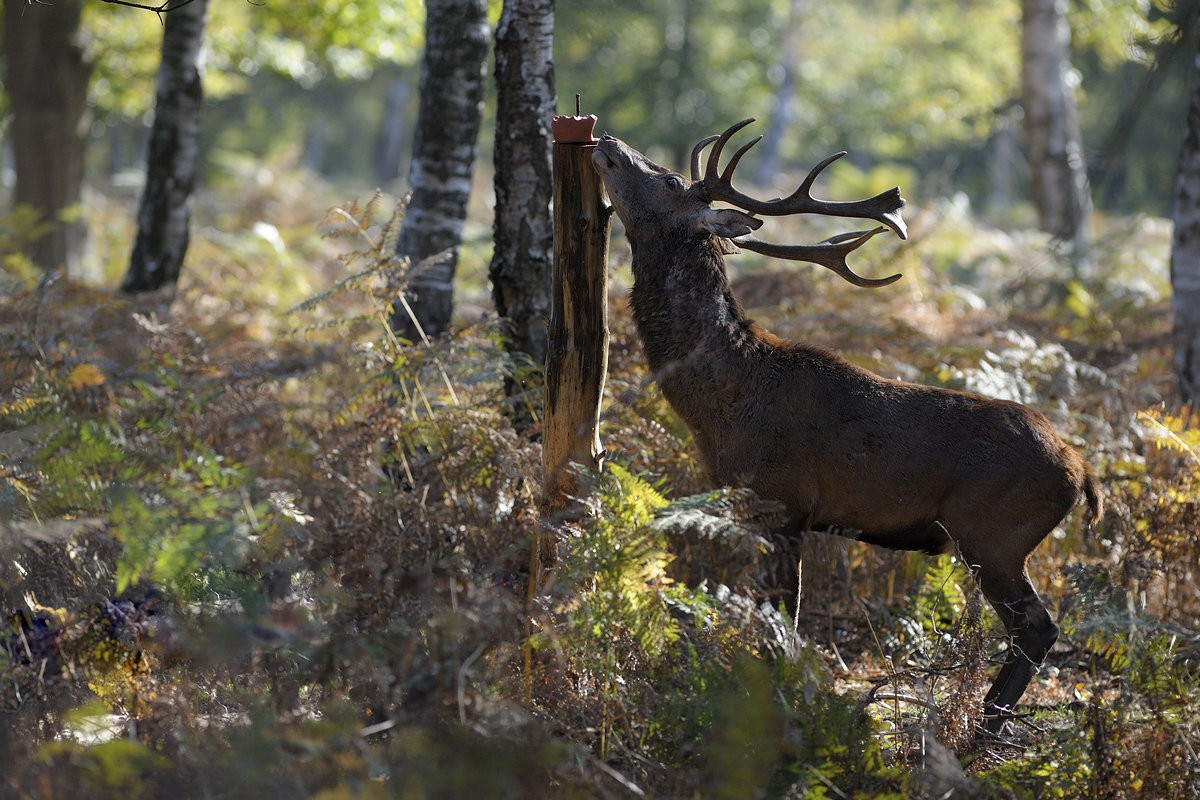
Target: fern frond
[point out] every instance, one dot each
(1172, 433)
(22, 404)
(354, 281)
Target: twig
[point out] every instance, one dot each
(462, 677)
(165, 8)
(828, 784)
(378, 727)
(619, 778)
(902, 698)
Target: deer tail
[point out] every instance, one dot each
(1094, 497)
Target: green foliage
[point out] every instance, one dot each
(622, 598)
(20, 226)
(310, 40)
(1162, 493)
(1174, 434)
(941, 601)
(926, 84)
(911, 97)
(306, 42)
(703, 77)
(742, 744)
(623, 566)
(192, 532)
(173, 501)
(833, 745)
(116, 769)
(930, 88)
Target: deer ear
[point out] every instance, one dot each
(728, 222)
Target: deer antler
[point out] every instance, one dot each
(830, 253)
(717, 184)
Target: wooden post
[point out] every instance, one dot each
(577, 352)
(577, 341)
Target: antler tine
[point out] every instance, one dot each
(727, 175)
(698, 150)
(714, 158)
(806, 185)
(830, 254)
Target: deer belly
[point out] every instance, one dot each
(899, 516)
(928, 538)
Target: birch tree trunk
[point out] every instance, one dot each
(448, 121)
(164, 214)
(1056, 163)
(389, 146)
(1185, 245)
(46, 78)
(522, 261)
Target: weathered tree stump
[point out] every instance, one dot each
(577, 347)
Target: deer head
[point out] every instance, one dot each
(653, 201)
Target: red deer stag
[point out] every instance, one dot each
(898, 464)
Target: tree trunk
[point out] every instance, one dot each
(164, 213)
(1185, 244)
(577, 361)
(785, 94)
(524, 230)
(1004, 160)
(46, 77)
(448, 121)
(389, 145)
(1056, 163)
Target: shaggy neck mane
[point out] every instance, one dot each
(683, 304)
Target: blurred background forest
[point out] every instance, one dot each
(254, 542)
(334, 92)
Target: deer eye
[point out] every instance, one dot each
(674, 182)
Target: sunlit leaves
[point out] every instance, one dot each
(306, 42)
(192, 532)
(1173, 433)
(313, 39)
(120, 767)
(1118, 30)
(932, 73)
(867, 71)
(125, 44)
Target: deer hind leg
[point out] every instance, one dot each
(1031, 634)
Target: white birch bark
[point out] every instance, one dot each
(444, 146)
(1056, 162)
(165, 210)
(524, 229)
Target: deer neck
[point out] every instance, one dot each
(686, 314)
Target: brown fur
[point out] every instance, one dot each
(907, 466)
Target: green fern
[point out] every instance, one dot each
(623, 564)
(941, 600)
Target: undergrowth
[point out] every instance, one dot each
(291, 558)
